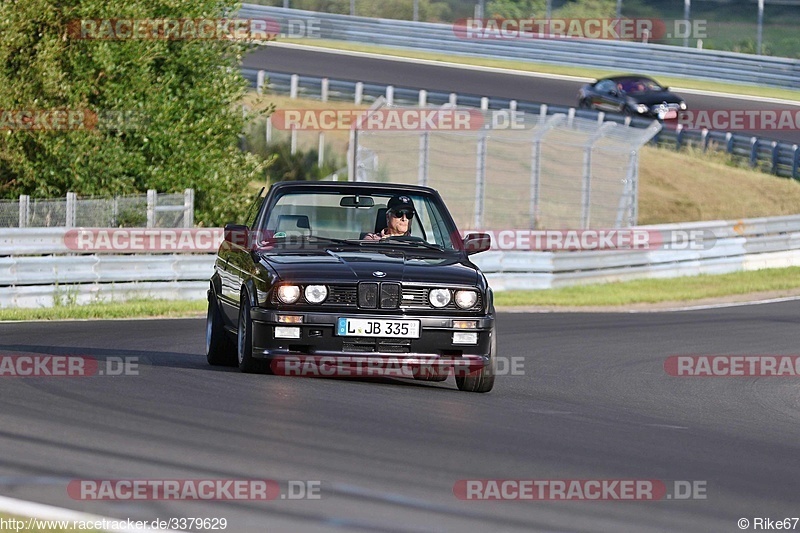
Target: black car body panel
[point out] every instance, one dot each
(388, 280)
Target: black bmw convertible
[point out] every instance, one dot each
(351, 277)
(632, 95)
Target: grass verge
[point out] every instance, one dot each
(546, 68)
(129, 309)
(650, 291)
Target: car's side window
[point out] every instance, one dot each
(605, 86)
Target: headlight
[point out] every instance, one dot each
(288, 294)
(683, 106)
(642, 108)
(316, 294)
(466, 299)
(439, 297)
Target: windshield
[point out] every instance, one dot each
(639, 85)
(347, 216)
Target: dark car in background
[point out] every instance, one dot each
(303, 280)
(633, 96)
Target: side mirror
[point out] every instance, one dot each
(477, 242)
(237, 235)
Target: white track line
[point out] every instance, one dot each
(499, 70)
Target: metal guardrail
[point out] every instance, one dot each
(36, 281)
(645, 58)
(776, 157)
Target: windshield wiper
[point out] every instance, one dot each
(391, 241)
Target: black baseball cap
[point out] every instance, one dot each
(400, 201)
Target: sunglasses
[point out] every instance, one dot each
(401, 212)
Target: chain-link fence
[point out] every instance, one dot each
(151, 210)
(547, 172)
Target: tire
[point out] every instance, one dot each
(244, 343)
(481, 380)
(220, 350)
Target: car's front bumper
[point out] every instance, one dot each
(318, 339)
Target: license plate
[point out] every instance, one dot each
(370, 327)
(669, 115)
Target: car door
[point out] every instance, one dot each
(608, 97)
(235, 263)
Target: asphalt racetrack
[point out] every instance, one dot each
(479, 82)
(591, 401)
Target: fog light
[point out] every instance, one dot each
(460, 337)
(290, 319)
(465, 324)
(284, 332)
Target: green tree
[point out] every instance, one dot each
(181, 93)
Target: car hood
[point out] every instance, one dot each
(352, 266)
(654, 98)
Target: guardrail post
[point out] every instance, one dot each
(542, 111)
(424, 154)
(25, 210)
(775, 157)
(390, 95)
(321, 149)
(359, 96)
(453, 99)
(260, 81)
(571, 117)
(628, 200)
(152, 199)
(601, 117)
(796, 162)
(704, 137)
(71, 205)
(729, 142)
(293, 86)
(324, 89)
(484, 103)
(293, 137)
(188, 208)
(423, 98)
(679, 137)
(753, 152)
(480, 180)
(512, 105)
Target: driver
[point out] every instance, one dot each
(399, 213)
